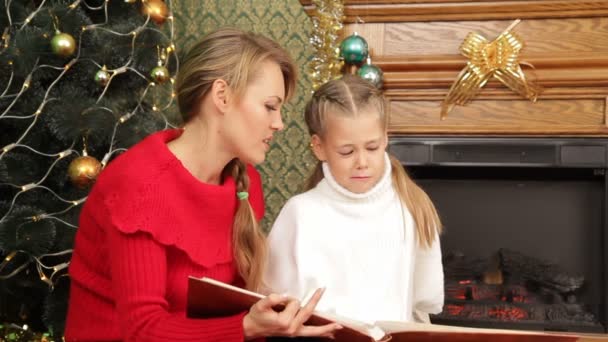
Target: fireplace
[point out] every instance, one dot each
(525, 234)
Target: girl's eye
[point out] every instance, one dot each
(372, 148)
(345, 153)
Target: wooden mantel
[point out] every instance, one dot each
(371, 11)
(416, 43)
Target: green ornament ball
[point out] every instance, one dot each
(354, 49)
(63, 44)
(371, 73)
(102, 77)
(160, 74)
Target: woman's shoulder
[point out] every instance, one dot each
(127, 188)
(140, 164)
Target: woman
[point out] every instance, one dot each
(187, 203)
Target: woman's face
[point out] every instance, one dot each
(252, 120)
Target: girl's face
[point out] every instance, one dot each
(353, 148)
(252, 119)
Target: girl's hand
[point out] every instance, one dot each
(262, 320)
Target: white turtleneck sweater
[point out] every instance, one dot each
(360, 247)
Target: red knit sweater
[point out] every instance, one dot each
(147, 225)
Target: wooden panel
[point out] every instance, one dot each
(498, 94)
(449, 10)
(457, 62)
(562, 77)
(501, 117)
(416, 44)
(432, 72)
(543, 36)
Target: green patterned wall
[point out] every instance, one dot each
(289, 161)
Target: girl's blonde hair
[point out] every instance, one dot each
(349, 96)
(234, 56)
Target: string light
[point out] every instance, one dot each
(27, 187)
(8, 147)
(64, 154)
(10, 256)
(74, 4)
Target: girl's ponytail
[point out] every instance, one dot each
(428, 224)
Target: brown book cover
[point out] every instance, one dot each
(211, 298)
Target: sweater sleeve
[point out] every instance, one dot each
(282, 273)
(138, 268)
(428, 279)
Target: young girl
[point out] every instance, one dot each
(363, 230)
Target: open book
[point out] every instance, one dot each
(211, 298)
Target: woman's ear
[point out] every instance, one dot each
(220, 94)
(317, 147)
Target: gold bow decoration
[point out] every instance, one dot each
(498, 59)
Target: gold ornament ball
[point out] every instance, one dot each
(63, 44)
(160, 74)
(83, 171)
(102, 77)
(156, 9)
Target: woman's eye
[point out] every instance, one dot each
(271, 108)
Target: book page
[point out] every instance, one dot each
(395, 327)
(371, 330)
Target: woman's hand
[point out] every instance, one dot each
(262, 320)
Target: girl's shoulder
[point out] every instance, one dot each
(308, 199)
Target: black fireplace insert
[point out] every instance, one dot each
(525, 228)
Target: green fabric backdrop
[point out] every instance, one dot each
(289, 161)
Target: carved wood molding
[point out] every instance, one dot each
(371, 11)
(499, 94)
(440, 71)
(531, 131)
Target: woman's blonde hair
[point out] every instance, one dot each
(349, 96)
(234, 56)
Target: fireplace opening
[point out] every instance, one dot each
(514, 289)
(524, 239)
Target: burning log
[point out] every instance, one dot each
(539, 272)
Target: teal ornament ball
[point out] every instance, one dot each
(371, 73)
(354, 49)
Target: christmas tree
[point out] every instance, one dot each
(80, 82)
